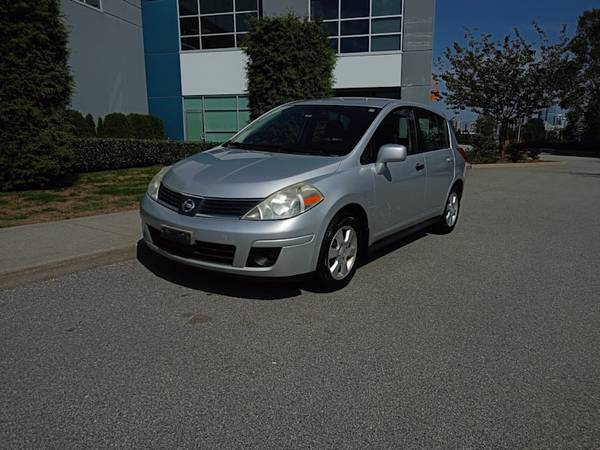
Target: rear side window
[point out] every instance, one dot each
(433, 131)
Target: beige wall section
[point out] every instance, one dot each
(213, 73)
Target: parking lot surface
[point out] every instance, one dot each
(488, 337)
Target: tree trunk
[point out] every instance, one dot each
(501, 136)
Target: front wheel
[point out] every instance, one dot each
(339, 253)
(449, 218)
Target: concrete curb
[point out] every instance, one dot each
(516, 165)
(56, 269)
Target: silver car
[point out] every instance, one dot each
(308, 187)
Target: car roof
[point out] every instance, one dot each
(372, 102)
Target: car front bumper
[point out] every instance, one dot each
(297, 238)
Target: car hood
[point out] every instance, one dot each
(234, 173)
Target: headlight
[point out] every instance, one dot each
(155, 183)
(286, 203)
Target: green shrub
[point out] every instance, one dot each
(91, 125)
(515, 152)
(303, 71)
(116, 125)
(534, 153)
(146, 127)
(80, 126)
(94, 154)
(35, 91)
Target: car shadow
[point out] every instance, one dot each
(254, 288)
(216, 282)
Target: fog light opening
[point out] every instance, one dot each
(263, 256)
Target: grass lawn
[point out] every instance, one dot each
(93, 193)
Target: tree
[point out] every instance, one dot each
(91, 125)
(506, 80)
(116, 125)
(582, 94)
(485, 145)
(533, 131)
(80, 126)
(35, 90)
(303, 71)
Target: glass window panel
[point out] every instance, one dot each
(240, 39)
(221, 121)
(355, 8)
(94, 3)
(218, 137)
(387, 7)
(386, 25)
(353, 45)
(244, 118)
(355, 27)
(193, 126)
(245, 5)
(385, 43)
(224, 103)
(192, 103)
(243, 102)
(325, 9)
(217, 24)
(333, 43)
(190, 43)
(189, 26)
(223, 41)
(215, 6)
(242, 21)
(331, 28)
(188, 7)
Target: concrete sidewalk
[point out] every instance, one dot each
(46, 250)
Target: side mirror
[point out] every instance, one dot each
(389, 153)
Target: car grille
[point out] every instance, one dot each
(206, 205)
(199, 250)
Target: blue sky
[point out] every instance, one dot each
(499, 17)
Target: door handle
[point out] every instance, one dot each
(449, 159)
(420, 166)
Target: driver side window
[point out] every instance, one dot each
(396, 128)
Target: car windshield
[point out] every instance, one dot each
(325, 130)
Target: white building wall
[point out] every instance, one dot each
(213, 73)
(367, 71)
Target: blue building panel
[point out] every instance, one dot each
(169, 109)
(163, 77)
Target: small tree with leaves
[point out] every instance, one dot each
(35, 90)
(506, 80)
(303, 71)
(582, 94)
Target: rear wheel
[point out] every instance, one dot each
(340, 251)
(449, 218)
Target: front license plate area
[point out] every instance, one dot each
(174, 235)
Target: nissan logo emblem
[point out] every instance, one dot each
(188, 205)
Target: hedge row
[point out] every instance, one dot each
(92, 154)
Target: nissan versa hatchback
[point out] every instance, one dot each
(307, 188)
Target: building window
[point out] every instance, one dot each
(213, 118)
(359, 26)
(93, 3)
(214, 24)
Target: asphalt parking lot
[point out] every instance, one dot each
(488, 337)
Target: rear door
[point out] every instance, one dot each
(434, 143)
(400, 191)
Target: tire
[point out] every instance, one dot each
(330, 276)
(449, 218)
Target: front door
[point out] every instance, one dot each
(400, 190)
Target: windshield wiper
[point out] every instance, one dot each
(235, 144)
